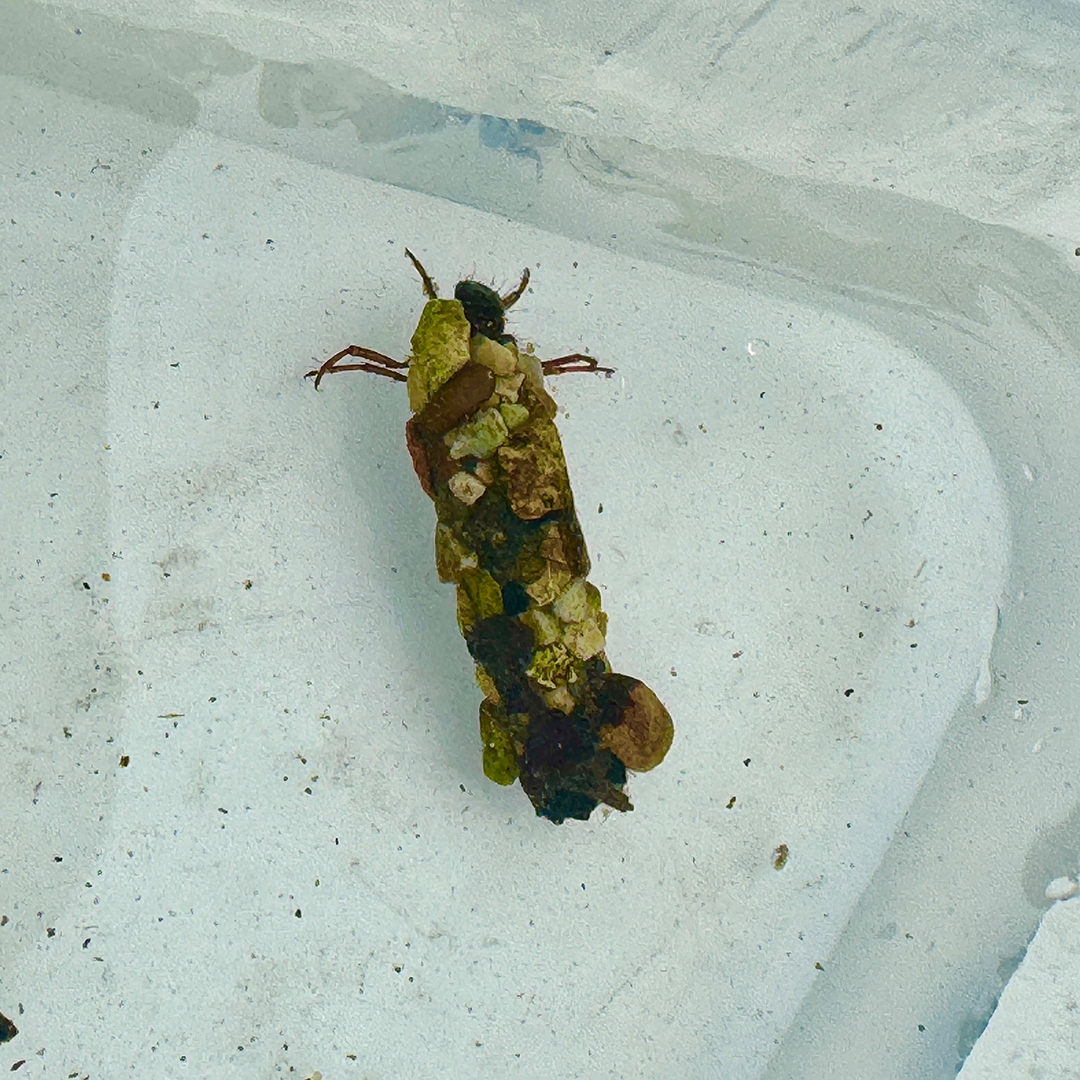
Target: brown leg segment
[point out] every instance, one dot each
(563, 365)
(429, 285)
(513, 297)
(377, 364)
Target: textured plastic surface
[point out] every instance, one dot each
(243, 801)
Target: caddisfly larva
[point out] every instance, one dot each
(486, 450)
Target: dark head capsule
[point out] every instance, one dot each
(483, 308)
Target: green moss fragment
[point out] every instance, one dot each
(440, 347)
(500, 760)
(513, 415)
(451, 555)
(478, 597)
(487, 684)
(479, 437)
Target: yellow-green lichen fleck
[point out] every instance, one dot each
(480, 437)
(440, 346)
(513, 415)
(500, 761)
(553, 665)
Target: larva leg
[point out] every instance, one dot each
(513, 297)
(429, 285)
(563, 365)
(377, 364)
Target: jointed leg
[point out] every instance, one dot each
(377, 364)
(429, 285)
(562, 365)
(512, 298)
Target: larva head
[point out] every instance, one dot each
(483, 308)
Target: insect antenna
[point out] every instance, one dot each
(429, 285)
(513, 297)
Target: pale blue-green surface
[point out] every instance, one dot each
(839, 454)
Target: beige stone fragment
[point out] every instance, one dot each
(585, 639)
(571, 606)
(507, 386)
(466, 487)
(493, 355)
(543, 624)
(560, 698)
(535, 472)
(548, 585)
